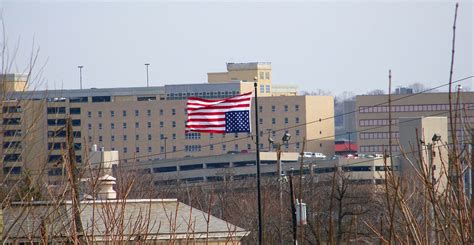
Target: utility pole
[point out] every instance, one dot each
(293, 210)
(280, 187)
(71, 169)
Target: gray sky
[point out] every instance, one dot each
(336, 46)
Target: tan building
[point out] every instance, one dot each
(146, 123)
(372, 116)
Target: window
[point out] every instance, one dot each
(100, 138)
(190, 167)
(297, 145)
(211, 136)
(137, 137)
(161, 112)
(124, 125)
(286, 120)
(137, 113)
(297, 108)
(224, 147)
(89, 126)
(112, 138)
(11, 121)
(236, 147)
(192, 148)
(297, 133)
(162, 136)
(173, 124)
(125, 150)
(273, 120)
(12, 133)
(112, 114)
(148, 113)
(162, 149)
(260, 120)
(75, 111)
(236, 135)
(267, 88)
(137, 125)
(173, 112)
(260, 108)
(124, 113)
(99, 113)
(11, 109)
(297, 120)
(262, 75)
(174, 148)
(149, 137)
(125, 137)
(56, 122)
(137, 149)
(56, 110)
(149, 149)
(78, 99)
(262, 89)
(285, 107)
(89, 114)
(273, 108)
(249, 146)
(148, 124)
(100, 126)
(211, 147)
(162, 124)
(174, 136)
(112, 125)
(101, 99)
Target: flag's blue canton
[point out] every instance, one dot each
(237, 121)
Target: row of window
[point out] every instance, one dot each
(285, 120)
(205, 95)
(62, 122)
(377, 148)
(285, 108)
(62, 134)
(12, 109)
(378, 135)
(264, 89)
(412, 108)
(12, 133)
(376, 122)
(264, 75)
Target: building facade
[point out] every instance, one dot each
(148, 123)
(372, 117)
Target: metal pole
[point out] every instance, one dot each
(147, 84)
(472, 185)
(165, 146)
(280, 186)
(80, 75)
(259, 197)
(293, 210)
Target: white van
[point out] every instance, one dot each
(307, 154)
(319, 155)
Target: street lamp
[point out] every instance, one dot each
(146, 65)
(80, 75)
(286, 137)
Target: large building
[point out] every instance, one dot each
(372, 118)
(147, 123)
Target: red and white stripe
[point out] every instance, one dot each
(208, 116)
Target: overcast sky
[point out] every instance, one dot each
(335, 46)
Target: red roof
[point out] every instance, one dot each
(346, 147)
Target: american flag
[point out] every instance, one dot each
(231, 115)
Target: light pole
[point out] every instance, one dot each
(80, 75)
(146, 65)
(286, 137)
